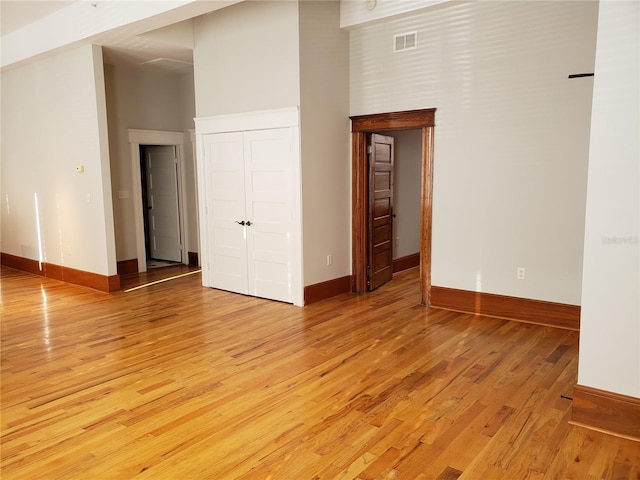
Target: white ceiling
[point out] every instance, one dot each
(167, 49)
(18, 13)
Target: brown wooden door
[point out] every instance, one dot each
(380, 268)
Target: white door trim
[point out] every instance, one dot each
(155, 137)
(192, 139)
(241, 122)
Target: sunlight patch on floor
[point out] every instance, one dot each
(160, 281)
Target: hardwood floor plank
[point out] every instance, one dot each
(179, 381)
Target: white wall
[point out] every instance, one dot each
(246, 58)
(354, 13)
(407, 191)
(326, 142)
(53, 119)
(610, 321)
(512, 135)
(186, 93)
(147, 100)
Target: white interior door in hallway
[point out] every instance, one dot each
(163, 212)
(251, 180)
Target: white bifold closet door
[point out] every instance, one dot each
(250, 211)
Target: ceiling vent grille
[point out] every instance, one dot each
(405, 41)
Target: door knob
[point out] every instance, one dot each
(248, 223)
(240, 223)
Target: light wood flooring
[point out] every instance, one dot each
(176, 381)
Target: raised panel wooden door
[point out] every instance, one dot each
(380, 254)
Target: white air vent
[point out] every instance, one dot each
(405, 41)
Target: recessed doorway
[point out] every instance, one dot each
(161, 205)
(364, 125)
(174, 141)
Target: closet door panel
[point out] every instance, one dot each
(226, 207)
(269, 161)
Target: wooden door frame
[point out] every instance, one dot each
(362, 125)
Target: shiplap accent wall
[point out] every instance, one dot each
(511, 136)
(354, 13)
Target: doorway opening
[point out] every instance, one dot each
(361, 127)
(163, 151)
(161, 205)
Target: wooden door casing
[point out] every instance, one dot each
(360, 126)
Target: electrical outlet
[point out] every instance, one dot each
(520, 273)
(329, 260)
